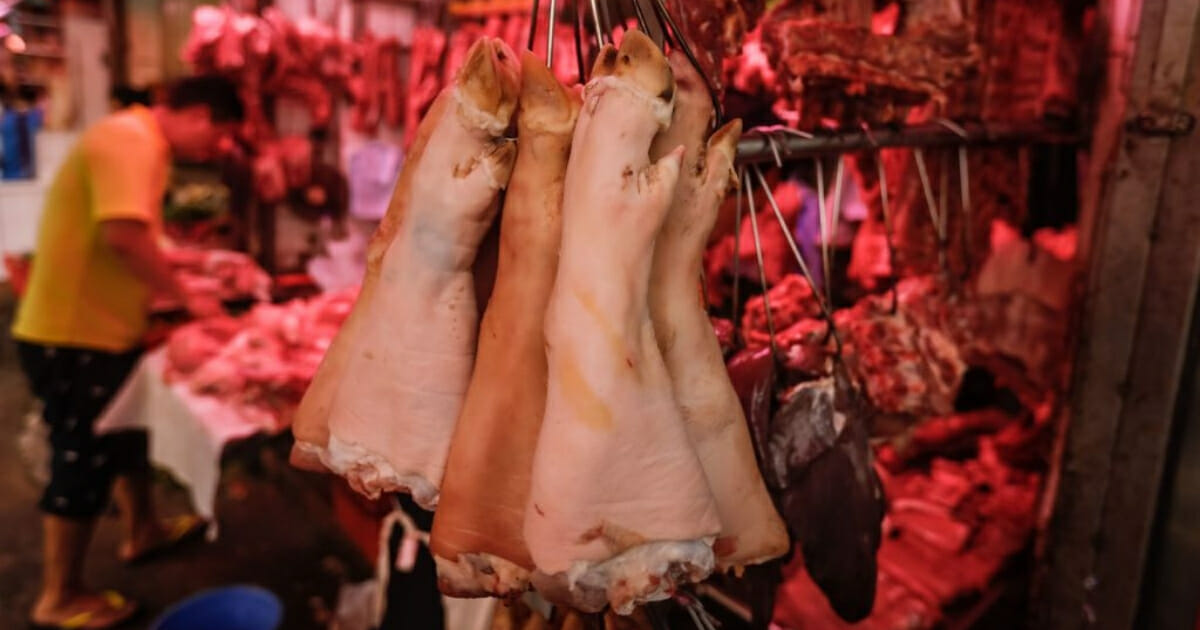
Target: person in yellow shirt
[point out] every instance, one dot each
(80, 324)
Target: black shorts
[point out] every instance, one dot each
(75, 386)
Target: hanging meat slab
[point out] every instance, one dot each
(382, 407)
(620, 512)
(477, 532)
(751, 530)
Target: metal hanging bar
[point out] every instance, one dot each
(755, 148)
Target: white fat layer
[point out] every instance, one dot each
(475, 118)
(661, 109)
(482, 574)
(372, 474)
(309, 451)
(642, 574)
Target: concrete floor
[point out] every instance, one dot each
(276, 531)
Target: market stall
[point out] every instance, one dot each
(660, 313)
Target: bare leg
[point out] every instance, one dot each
(64, 547)
(135, 499)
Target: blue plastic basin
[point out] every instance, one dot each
(230, 608)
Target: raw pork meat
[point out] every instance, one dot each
(751, 530)
(620, 511)
(487, 476)
(382, 407)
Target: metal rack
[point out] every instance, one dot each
(769, 144)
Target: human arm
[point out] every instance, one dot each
(133, 242)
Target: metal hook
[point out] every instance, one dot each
(664, 16)
(601, 24)
(825, 306)
(838, 183)
(577, 27)
(762, 269)
(954, 127)
(737, 254)
(888, 231)
(695, 609)
(822, 219)
(888, 236)
(936, 220)
(533, 22)
(551, 21)
(639, 14)
(773, 143)
(944, 214)
(964, 182)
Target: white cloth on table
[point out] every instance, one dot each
(187, 431)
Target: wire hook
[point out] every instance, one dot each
(825, 306)
(601, 24)
(551, 20)
(737, 254)
(762, 269)
(923, 172)
(533, 22)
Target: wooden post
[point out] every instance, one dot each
(1140, 232)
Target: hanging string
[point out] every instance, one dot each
(888, 231)
(964, 182)
(577, 27)
(762, 270)
(931, 203)
(822, 219)
(737, 256)
(943, 227)
(533, 23)
(551, 20)
(838, 182)
(600, 21)
(826, 307)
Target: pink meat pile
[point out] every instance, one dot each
(950, 531)
(260, 363)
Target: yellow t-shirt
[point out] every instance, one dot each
(80, 294)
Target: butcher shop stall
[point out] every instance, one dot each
(654, 314)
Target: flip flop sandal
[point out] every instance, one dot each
(181, 530)
(112, 600)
